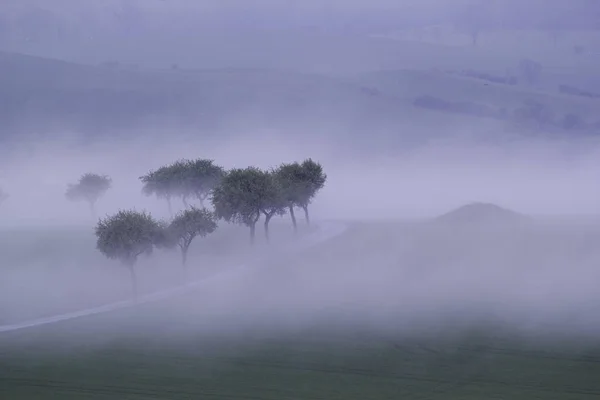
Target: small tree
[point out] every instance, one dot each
(201, 176)
(188, 224)
(90, 188)
(300, 182)
(165, 182)
(125, 236)
(242, 196)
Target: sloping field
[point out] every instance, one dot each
(358, 317)
(409, 84)
(59, 95)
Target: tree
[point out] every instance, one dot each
(165, 182)
(126, 235)
(189, 224)
(300, 183)
(243, 195)
(311, 181)
(90, 188)
(199, 178)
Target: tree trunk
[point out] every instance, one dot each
(252, 233)
(267, 220)
(134, 285)
(305, 208)
(93, 209)
(184, 253)
(294, 219)
(170, 207)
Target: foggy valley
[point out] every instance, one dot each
(318, 200)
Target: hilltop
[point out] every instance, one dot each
(481, 213)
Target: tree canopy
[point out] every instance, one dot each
(165, 182)
(183, 178)
(243, 195)
(189, 224)
(199, 177)
(89, 188)
(126, 235)
(300, 182)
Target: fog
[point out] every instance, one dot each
(405, 272)
(391, 169)
(534, 176)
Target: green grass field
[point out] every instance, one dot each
(288, 332)
(308, 364)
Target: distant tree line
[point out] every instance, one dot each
(240, 196)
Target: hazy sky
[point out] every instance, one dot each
(75, 17)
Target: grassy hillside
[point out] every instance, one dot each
(51, 95)
(51, 270)
(338, 55)
(326, 83)
(409, 84)
(521, 107)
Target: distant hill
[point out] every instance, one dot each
(516, 104)
(481, 213)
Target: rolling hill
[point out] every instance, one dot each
(379, 108)
(52, 95)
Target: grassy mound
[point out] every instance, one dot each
(481, 213)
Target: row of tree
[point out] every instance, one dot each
(240, 196)
(186, 179)
(128, 234)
